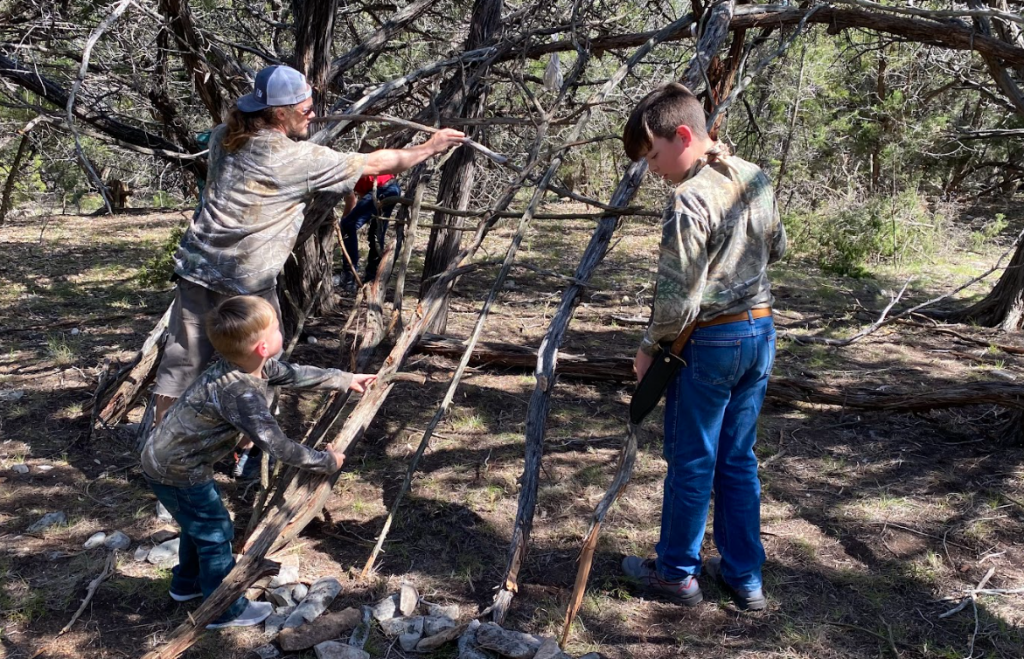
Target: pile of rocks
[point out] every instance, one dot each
(416, 625)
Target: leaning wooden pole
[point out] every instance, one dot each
(715, 31)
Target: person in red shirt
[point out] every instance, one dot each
(366, 205)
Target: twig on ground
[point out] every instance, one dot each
(94, 585)
(969, 598)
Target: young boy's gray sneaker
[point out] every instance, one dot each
(746, 600)
(254, 614)
(185, 597)
(685, 591)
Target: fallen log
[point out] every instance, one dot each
(780, 389)
(506, 355)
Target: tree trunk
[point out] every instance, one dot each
(467, 100)
(1004, 306)
(24, 148)
(307, 278)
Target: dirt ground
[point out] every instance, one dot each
(875, 524)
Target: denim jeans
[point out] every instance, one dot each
(711, 411)
(365, 211)
(204, 550)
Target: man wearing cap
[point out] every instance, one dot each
(261, 177)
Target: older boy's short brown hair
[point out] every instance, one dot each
(659, 114)
(235, 325)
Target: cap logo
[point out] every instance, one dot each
(259, 93)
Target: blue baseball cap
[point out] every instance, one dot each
(276, 85)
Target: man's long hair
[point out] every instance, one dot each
(243, 125)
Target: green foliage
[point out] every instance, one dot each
(158, 270)
(847, 240)
(988, 232)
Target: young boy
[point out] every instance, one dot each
(202, 426)
(720, 231)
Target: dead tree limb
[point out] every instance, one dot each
(125, 388)
(540, 400)
(380, 37)
(496, 157)
(12, 175)
(91, 173)
(714, 34)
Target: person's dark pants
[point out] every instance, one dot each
(204, 550)
(365, 211)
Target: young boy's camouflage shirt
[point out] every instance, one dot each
(720, 231)
(203, 425)
(253, 207)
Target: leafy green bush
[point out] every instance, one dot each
(988, 231)
(157, 271)
(847, 240)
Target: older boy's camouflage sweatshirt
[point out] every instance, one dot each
(720, 231)
(253, 207)
(203, 425)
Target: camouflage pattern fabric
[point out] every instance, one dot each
(253, 207)
(720, 231)
(202, 426)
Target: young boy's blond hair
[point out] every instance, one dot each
(659, 114)
(235, 325)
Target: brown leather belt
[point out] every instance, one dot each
(760, 312)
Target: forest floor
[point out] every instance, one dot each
(875, 524)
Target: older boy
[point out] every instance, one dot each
(202, 427)
(720, 231)
(263, 174)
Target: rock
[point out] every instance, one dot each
(282, 596)
(43, 469)
(408, 598)
(435, 641)
(467, 641)
(592, 655)
(20, 469)
(164, 534)
(95, 540)
(473, 653)
(549, 650)
(162, 513)
(311, 340)
(141, 554)
(408, 642)
(48, 520)
(443, 610)
(299, 592)
(316, 601)
(514, 645)
(275, 622)
(362, 631)
(165, 552)
(336, 650)
(397, 626)
(268, 651)
(326, 628)
(288, 574)
(11, 396)
(385, 609)
(433, 625)
(119, 540)
(75, 331)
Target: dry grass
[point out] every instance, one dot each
(869, 520)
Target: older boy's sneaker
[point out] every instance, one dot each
(254, 614)
(685, 591)
(178, 597)
(746, 600)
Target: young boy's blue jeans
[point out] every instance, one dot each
(711, 411)
(365, 211)
(204, 550)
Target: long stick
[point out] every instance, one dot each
(383, 118)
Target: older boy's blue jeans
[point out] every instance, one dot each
(365, 211)
(204, 549)
(711, 411)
